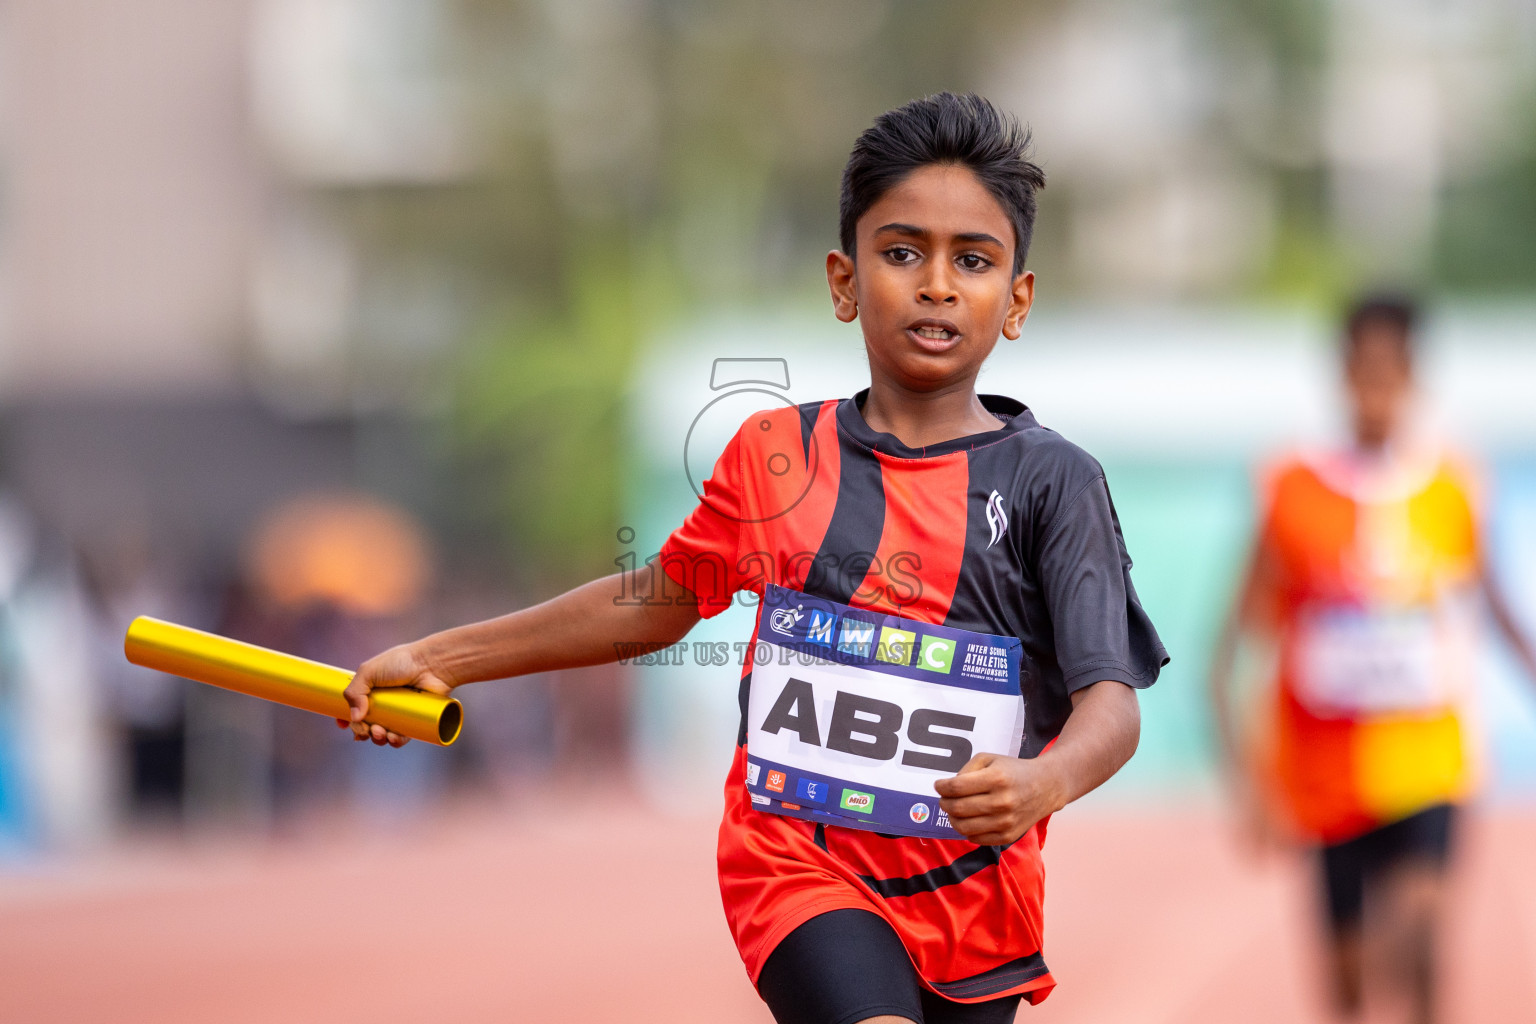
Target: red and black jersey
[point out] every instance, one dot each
(1009, 532)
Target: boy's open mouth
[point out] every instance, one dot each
(933, 335)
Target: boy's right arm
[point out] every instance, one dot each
(589, 625)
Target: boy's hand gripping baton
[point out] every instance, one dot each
(285, 679)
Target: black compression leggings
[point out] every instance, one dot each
(847, 965)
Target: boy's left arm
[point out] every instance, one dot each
(995, 799)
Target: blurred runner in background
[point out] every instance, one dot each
(1366, 573)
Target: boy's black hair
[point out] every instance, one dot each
(944, 129)
(1396, 312)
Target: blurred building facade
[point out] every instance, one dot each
(172, 368)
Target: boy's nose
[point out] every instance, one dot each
(938, 290)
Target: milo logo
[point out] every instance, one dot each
(853, 800)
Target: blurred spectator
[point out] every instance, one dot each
(332, 577)
(125, 578)
(55, 753)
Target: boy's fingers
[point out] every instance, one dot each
(356, 694)
(977, 763)
(967, 783)
(393, 668)
(973, 806)
(977, 829)
(431, 684)
(972, 778)
(992, 839)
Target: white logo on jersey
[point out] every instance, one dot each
(997, 519)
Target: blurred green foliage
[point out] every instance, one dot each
(645, 160)
(540, 413)
(1487, 237)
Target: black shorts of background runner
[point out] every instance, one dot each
(846, 965)
(1349, 868)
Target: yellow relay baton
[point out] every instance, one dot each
(285, 679)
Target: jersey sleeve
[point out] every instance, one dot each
(702, 554)
(1101, 630)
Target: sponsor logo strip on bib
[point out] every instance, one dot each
(854, 714)
(834, 802)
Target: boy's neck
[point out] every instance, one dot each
(919, 419)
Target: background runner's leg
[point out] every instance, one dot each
(1342, 872)
(1407, 882)
(1414, 898)
(1346, 971)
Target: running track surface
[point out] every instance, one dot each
(601, 912)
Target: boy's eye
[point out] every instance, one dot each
(972, 261)
(900, 254)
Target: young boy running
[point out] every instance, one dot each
(1365, 565)
(916, 502)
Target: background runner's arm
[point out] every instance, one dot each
(996, 799)
(1504, 619)
(590, 625)
(1250, 612)
(1253, 612)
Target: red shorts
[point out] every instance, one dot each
(969, 916)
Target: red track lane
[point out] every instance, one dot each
(500, 914)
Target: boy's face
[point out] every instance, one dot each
(1379, 380)
(933, 284)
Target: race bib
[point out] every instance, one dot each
(1369, 661)
(853, 714)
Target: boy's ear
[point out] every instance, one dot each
(840, 279)
(1018, 305)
